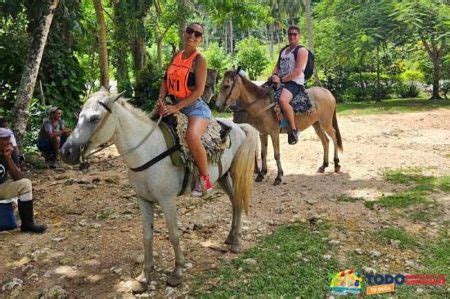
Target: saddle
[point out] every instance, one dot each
(215, 140)
(300, 103)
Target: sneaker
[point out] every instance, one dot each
(293, 137)
(202, 188)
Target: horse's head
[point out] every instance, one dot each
(95, 126)
(229, 90)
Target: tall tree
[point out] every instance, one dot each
(102, 44)
(429, 20)
(31, 69)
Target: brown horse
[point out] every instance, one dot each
(258, 104)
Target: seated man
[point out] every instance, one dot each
(18, 186)
(289, 70)
(4, 124)
(52, 136)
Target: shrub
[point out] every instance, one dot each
(217, 59)
(407, 90)
(251, 58)
(146, 88)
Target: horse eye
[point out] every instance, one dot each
(94, 119)
(226, 86)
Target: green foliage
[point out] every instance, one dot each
(307, 273)
(217, 59)
(251, 57)
(406, 90)
(147, 87)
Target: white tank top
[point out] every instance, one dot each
(287, 65)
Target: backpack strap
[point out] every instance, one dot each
(279, 56)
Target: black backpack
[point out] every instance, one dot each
(309, 68)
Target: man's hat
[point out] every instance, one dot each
(53, 109)
(5, 132)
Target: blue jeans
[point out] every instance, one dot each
(198, 108)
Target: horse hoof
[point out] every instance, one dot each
(174, 281)
(337, 169)
(277, 182)
(259, 178)
(321, 169)
(235, 248)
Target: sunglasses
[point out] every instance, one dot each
(189, 30)
(292, 34)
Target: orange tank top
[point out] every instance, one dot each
(177, 75)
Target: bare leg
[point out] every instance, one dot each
(234, 235)
(195, 130)
(170, 214)
(55, 145)
(285, 99)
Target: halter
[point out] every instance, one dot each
(146, 165)
(246, 106)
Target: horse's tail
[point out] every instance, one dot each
(338, 133)
(243, 166)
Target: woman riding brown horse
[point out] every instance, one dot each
(258, 104)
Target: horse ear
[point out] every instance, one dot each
(118, 96)
(238, 70)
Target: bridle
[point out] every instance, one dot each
(127, 152)
(245, 105)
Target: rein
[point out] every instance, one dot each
(271, 105)
(161, 156)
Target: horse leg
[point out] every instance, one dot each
(332, 133)
(325, 144)
(170, 214)
(276, 151)
(146, 208)
(234, 235)
(264, 140)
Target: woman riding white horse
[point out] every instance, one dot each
(139, 140)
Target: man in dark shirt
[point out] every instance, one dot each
(18, 186)
(52, 136)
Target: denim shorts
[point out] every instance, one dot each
(293, 87)
(199, 109)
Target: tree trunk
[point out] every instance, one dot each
(138, 53)
(378, 74)
(31, 69)
(271, 39)
(102, 46)
(120, 47)
(435, 53)
(310, 32)
(182, 23)
(159, 52)
(231, 37)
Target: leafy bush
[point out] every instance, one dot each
(146, 88)
(251, 58)
(217, 59)
(407, 90)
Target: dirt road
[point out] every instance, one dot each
(95, 237)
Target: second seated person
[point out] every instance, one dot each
(184, 81)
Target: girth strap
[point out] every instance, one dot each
(158, 158)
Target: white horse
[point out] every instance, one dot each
(138, 140)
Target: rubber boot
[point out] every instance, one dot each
(26, 215)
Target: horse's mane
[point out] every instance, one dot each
(258, 91)
(97, 96)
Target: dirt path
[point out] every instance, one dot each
(95, 236)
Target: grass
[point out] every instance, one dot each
(392, 233)
(391, 106)
(289, 262)
(372, 107)
(347, 198)
(421, 187)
